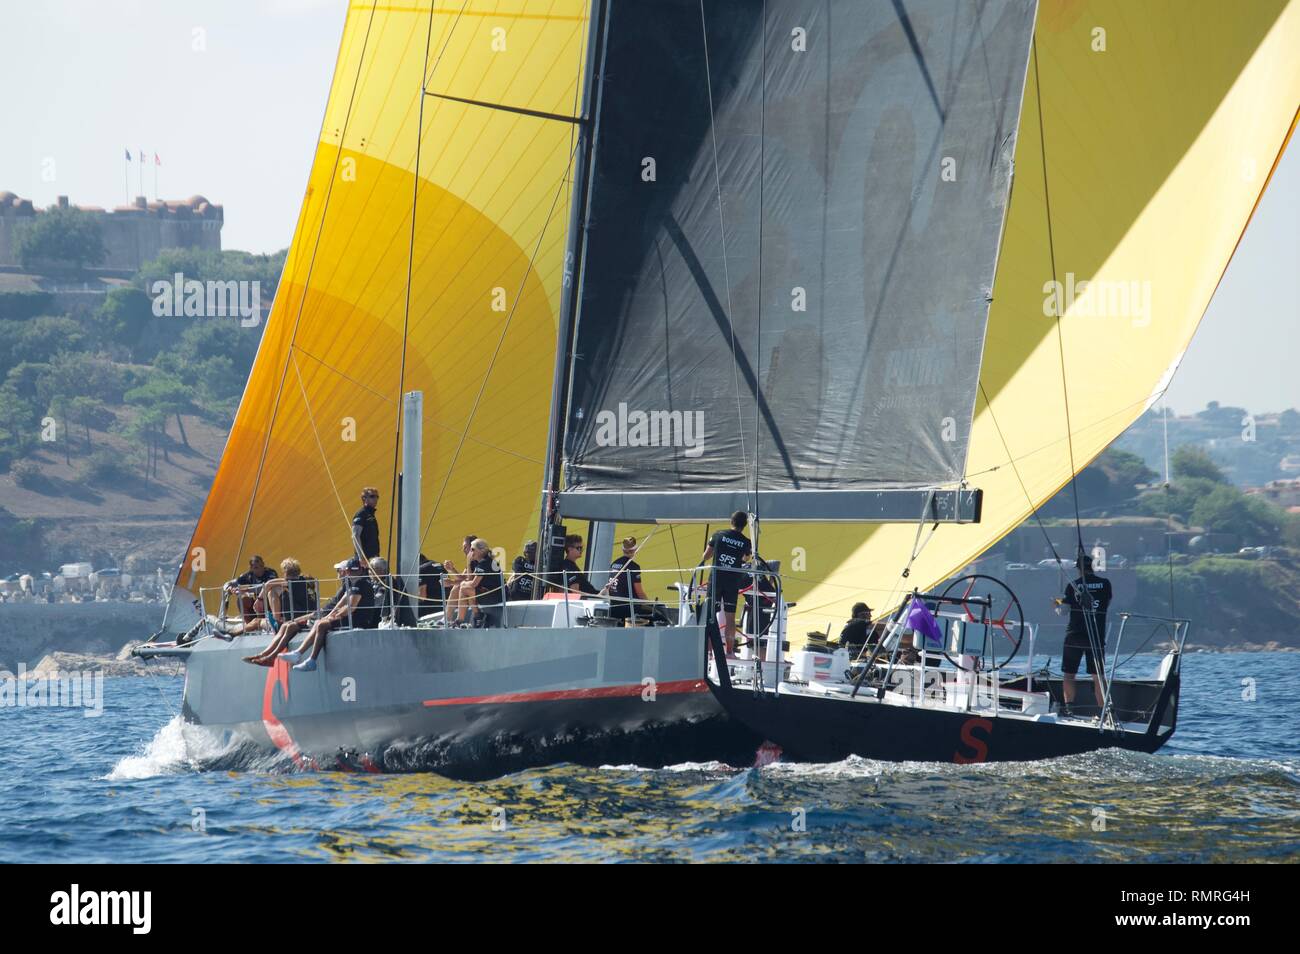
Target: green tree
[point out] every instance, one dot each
(1225, 509)
(210, 265)
(19, 420)
(1191, 461)
(126, 320)
(80, 373)
(59, 237)
(167, 394)
(39, 339)
(1125, 471)
(89, 412)
(147, 429)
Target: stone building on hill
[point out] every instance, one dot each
(133, 234)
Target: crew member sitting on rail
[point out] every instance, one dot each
(451, 577)
(574, 581)
(248, 587)
(523, 573)
(624, 587)
(293, 588)
(352, 606)
(477, 598)
(382, 581)
(728, 549)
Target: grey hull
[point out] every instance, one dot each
(472, 703)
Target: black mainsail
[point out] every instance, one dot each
(791, 232)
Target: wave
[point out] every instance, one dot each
(1112, 765)
(181, 747)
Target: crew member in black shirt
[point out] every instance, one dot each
(858, 630)
(523, 574)
(352, 606)
(486, 593)
(249, 587)
(624, 586)
(1088, 598)
(385, 590)
(574, 580)
(365, 527)
(728, 549)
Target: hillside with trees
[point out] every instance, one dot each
(112, 419)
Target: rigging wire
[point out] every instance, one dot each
(410, 261)
(1169, 514)
(726, 272)
(302, 301)
(306, 402)
(758, 317)
(1080, 592)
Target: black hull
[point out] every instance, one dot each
(812, 729)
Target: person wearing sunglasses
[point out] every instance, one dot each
(365, 527)
(574, 580)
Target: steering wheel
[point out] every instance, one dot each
(1003, 617)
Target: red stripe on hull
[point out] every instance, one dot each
(596, 692)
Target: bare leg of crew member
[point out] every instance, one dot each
(313, 645)
(278, 645)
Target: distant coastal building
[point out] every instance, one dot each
(133, 234)
(1282, 493)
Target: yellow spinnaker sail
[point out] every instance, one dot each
(1161, 121)
(491, 201)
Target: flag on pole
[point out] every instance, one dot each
(156, 160)
(128, 154)
(921, 620)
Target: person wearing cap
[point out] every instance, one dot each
(624, 587)
(858, 629)
(353, 606)
(523, 572)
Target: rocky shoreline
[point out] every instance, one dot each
(120, 664)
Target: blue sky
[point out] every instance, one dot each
(230, 95)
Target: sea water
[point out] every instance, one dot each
(136, 784)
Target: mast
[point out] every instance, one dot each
(573, 256)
